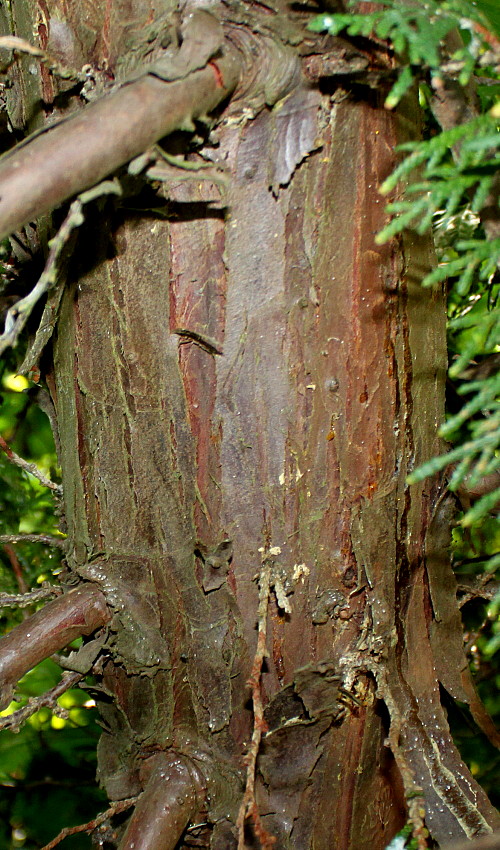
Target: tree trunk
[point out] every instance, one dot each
(241, 387)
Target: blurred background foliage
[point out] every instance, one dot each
(47, 770)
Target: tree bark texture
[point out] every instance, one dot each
(251, 384)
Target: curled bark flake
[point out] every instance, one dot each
(294, 134)
(204, 342)
(79, 612)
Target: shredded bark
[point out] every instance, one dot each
(248, 807)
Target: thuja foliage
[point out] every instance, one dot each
(450, 183)
(417, 33)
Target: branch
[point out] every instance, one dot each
(167, 804)
(22, 600)
(46, 539)
(114, 809)
(19, 45)
(76, 613)
(39, 174)
(16, 566)
(32, 468)
(18, 314)
(15, 720)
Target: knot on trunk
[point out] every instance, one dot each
(270, 68)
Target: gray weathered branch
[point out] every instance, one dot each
(78, 152)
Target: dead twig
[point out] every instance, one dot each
(114, 809)
(19, 45)
(18, 314)
(248, 807)
(23, 600)
(46, 539)
(16, 567)
(31, 468)
(49, 699)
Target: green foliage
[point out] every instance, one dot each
(403, 840)
(493, 644)
(47, 769)
(25, 505)
(446, 186)
(416, 32)
(450, 182)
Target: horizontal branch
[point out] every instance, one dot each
(79, 612)
(46, 539)
(23, 600)
(78, 152)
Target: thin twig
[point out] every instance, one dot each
(22, 600)
(49, 699)
(16, 567)
(248, 807)
(32, 468)
(19, 45)
(46, 539)
(45, 328)
(18, 314)
(114, 809)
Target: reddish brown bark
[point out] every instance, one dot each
(186, 467)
